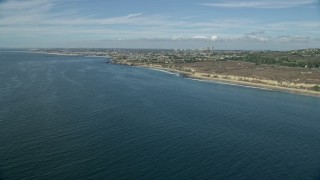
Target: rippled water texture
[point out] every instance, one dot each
(79, 118)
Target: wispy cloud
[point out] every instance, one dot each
(296, 39)
(44, 12)
(24, 5)
(45, 20)
(15, 12)
(36, 13)
(255, 33)
(265, 4)
(134, 15)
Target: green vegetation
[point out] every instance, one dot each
(258, 59)
(309, 58)
(316, 88)
(283, 60)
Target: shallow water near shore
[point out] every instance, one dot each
(64, 117)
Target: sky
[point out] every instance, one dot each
(185, 24)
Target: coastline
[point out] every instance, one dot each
(199, 76)
(233, 82)
(57, 54)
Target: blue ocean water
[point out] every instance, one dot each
(80, 118)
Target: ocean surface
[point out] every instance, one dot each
(67, 117)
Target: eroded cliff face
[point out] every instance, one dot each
(203, 73)
(257, 80)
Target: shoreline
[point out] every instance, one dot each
(192, 76)
(234, 82)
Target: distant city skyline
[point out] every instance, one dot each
(186, 24)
